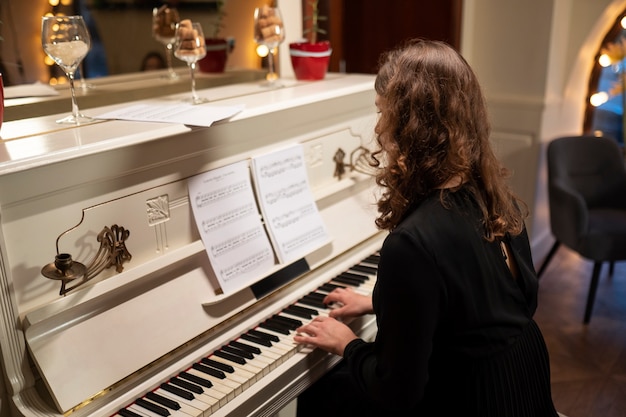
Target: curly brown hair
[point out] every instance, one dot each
(433, 127)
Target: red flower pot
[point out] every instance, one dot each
(216, 55)
(310, 60)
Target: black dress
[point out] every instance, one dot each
(455, 329)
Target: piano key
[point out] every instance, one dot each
(253, 370)
(230, 357)
(292, 323)
(203, 382)
(164, 401)
(208, 370)
(151, 409)
(312, 302)
(221, 388)
(223, 381)
(150, 406)
(256, 339)
(366, 269)
(329, 287)
(263, 335)
(124, 412)
(237, 352)
(276, 327)
(243, 346)
(348, 280)
(205, 402)
(309, 312)
(219, 366)
(180, 392)
(195, 407)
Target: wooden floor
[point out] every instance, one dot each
(588, 362)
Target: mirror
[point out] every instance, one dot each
(122, 32)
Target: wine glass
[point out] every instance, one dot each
(66, 40)
(164, 21)
(269, 31)
(190, 47)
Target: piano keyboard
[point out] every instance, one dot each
(218, 378)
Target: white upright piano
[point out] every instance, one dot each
(135, 338)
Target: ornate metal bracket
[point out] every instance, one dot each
(112, 252)
(359, 161)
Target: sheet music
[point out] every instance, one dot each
(291, 216)
(228, 220)
(184, 113)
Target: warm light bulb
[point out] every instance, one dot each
(623, 22)
(48, 61)
(53, 3)
(599, 98)
(262, 51)
(604, 60)
(66, 2)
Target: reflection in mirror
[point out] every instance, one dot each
(122, 34)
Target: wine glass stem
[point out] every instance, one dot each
(192, 69)
(168, 58)
(70, 76)
(271, 75)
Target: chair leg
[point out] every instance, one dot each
(548, 258)
(595, 276)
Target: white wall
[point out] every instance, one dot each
(534, 59)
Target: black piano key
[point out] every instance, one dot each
(257, 340)
(230, 357)
(237, 352)
(218, 365)
(292, 323)
(328, 287)
(264, 335)
(307, 310)
(182, 393)
(197, 389)
(316, 296)
(162, 411)
(312, 302)
(208, 370)
(364, 268)
(196, 379)
(297, 313)
(372, 259)
(127, 413)
(353, 275)
(349, 281)
(165, 402)
(272, 325)
(244, 346)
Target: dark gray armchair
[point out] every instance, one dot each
(587, 197)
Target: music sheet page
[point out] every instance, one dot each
(291, 216)
(229, 222)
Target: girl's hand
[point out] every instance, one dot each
(348, 303)
(326, 333)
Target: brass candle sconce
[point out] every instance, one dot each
(359, 161)
(112, 252)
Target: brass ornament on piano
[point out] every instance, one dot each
(359, 161)
(112, 252)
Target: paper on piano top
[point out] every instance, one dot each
(291, 216)
(228, 219)
(184, 113)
